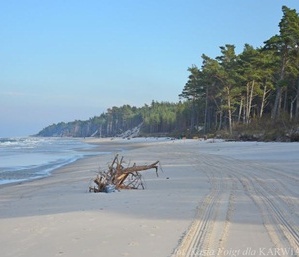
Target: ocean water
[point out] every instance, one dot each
(28, 158)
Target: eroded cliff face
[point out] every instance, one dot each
(87, 129)
(70, 129)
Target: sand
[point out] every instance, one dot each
(212, 199)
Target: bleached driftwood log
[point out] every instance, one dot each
(118, 177)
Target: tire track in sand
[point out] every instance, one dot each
(267, 190)
(210, 227)
(274, 209)
(279, 225)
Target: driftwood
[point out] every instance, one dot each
(118, 177)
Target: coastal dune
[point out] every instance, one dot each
(210, 199)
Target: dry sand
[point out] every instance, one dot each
(212, 199)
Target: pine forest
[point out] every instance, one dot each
(252, 95)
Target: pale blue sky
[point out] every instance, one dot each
(64, 60)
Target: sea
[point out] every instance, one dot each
(28, 158)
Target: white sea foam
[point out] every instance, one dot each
(30, 157)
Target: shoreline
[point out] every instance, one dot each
(203, 191)
(42, 171)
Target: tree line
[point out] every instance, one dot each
(231, 90)
(236, 88)
(158, 118)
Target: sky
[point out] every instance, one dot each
(65, 60)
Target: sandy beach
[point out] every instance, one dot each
(212, 198)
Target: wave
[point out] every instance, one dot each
(19, 174)
(31, 158)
